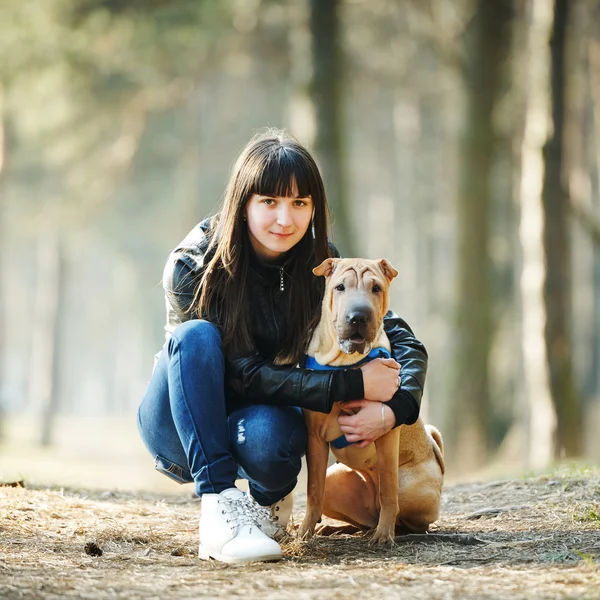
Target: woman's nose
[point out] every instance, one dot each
(284, 216)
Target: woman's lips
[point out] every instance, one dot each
(282, 235)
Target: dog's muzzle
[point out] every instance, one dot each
(356, 335)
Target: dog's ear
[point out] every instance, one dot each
(387, 269)
(326, 268)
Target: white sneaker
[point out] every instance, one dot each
(229, 530)
(273, 519)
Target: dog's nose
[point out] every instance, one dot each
(357, 318)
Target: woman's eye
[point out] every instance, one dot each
(340, 287)
(269, 201)
(299, 203)
(376, 289)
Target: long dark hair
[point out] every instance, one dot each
(272, 164)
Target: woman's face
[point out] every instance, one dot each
(277, 223)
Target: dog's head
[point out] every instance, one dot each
(356, 299)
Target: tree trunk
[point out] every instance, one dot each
(301, 108)
(43, 391)
(486, 44)
(542, 417)
(595, 169)
(326, 94)
(557, 286)
(593, 160)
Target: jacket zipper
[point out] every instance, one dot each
(274, 301)
(281, 279)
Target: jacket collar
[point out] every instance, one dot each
(269, 271)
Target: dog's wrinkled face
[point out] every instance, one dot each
(356, 299)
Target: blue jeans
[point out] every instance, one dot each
(184, 423)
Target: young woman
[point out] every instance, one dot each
(225, 397)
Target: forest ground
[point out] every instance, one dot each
(535, 537)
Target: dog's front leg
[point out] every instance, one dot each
(317, 454)
(387, 468)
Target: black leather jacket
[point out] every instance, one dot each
(255, 378)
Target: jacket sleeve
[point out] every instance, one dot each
(410, 353)
(183, 273)
(180, 280)
(260, 381)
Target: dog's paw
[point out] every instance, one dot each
(382, 537)
(306, 531)
(328, 530)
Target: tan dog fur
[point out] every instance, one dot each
(395, 482)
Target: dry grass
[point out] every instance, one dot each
(541, 540)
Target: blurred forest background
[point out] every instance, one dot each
(460, 139)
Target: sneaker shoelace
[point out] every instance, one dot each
(267, 513)
(261, 513)
(239, 512)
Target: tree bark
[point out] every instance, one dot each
(301, 110)
(594, 167)
(486, 44)
(542, 416)
(557, 249)
(326, 93)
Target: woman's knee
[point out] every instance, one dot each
(273, 471)
(197, 333)
(268, 446)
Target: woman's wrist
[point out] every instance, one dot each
(388, 418)
(404, 407)
(347, 384)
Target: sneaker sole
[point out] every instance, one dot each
(208, 555)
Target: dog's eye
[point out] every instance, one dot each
(340, 287)
(376, 289)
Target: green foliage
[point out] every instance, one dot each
(589, 514)
(82, 78)
(590, 559)
(575, 470)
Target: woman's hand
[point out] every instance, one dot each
(371, 421)
(381, 379)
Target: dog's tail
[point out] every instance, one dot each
(438, 445)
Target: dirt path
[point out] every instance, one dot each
(527, 538)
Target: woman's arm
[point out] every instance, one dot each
(180, 280)
(410, 353)
(259, 380)
(182, 274)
